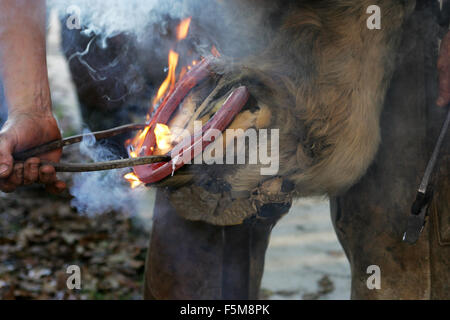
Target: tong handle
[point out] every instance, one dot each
(57, 144)
(416, 220)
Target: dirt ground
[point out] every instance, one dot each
(41, 235)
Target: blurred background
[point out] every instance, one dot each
(41, 235)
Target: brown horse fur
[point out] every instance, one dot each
(323, 77)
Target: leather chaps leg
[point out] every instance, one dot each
(371, 217)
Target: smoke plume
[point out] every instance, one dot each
(109, 18)
(102, 191)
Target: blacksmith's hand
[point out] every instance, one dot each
(20, 132)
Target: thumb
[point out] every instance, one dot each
(6, 159)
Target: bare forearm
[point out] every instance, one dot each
(23, 66)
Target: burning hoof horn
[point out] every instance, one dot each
(191, 146)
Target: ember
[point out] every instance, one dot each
(134, 181)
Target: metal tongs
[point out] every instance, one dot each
(96, 166)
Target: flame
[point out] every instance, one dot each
(133, 180)
(163, 138)
(135, 144)
(169, 82)
(183, 28)
(163, 135)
